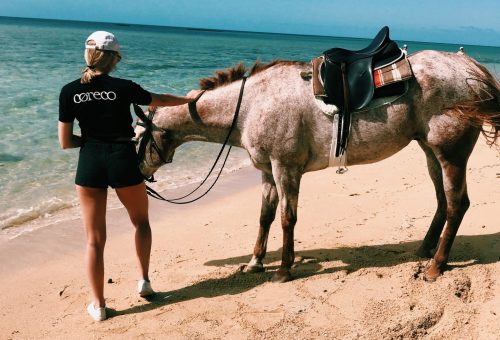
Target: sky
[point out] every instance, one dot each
(475, 22)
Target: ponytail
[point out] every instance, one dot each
(98, 62)
(87, 74)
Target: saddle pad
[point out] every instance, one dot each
(393, 73)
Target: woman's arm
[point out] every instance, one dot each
(67, 139)
(171, 100)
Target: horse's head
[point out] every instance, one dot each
(162, 132)
(156, 145)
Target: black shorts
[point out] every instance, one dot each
(108, 164)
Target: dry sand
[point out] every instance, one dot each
(356, 275)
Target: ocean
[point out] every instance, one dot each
(40, 56)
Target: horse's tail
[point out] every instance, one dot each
(483, 111)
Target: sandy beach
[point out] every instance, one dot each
(356, 275)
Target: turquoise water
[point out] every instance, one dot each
(40, 56)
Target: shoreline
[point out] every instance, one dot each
(36, 217)
(66, 236)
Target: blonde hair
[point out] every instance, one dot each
(98, 61)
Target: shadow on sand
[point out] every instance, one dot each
(470, 249)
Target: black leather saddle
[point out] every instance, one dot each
(348, 75)
(347, 78)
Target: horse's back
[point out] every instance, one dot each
(440, 70)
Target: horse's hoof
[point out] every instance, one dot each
(432, 273)
(282, 275)
(254, 268)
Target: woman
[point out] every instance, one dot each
(101, 104)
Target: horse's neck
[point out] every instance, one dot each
(215, 111)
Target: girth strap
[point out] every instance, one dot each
(344, 116)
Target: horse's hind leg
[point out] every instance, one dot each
(457, 204)
(432, 237)
(453, 160)
(267, 215)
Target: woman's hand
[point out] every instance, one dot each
(171, 100)
(194, 95)
(67, 139)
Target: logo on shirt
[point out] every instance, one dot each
(90, 96)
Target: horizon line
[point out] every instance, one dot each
(222, 30)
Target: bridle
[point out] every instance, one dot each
(147, 123)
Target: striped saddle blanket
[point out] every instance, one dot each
(388, 79)
(397, 72)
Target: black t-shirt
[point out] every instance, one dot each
(102, 107)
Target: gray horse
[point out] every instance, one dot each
(286, 135)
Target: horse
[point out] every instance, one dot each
(449, 102)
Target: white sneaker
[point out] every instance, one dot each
(98, 314)
(144, 288)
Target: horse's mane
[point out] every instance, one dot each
(236, 72)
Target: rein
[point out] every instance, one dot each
(148, 136)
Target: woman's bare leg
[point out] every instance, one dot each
(93, 207)
(135, 200)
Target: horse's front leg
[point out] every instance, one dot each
(267, 215)
(288, 182)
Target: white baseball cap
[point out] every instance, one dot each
(103, 41)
